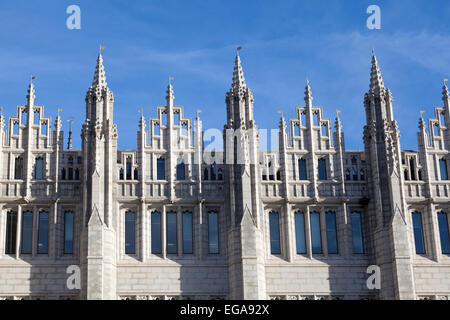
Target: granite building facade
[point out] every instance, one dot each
(173, 220)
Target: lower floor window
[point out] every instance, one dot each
(43, 233)
(213, 232)
(11, 232)
(156, 232)
(300, 232)
(316, 236)
(130, 233)
(275, 247)
(330, 222)
(187, 232)
(443, 232)
(418, 232)
(171, 232)
(26, 242)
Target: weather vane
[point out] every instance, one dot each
(100, 49)
(238, 49)
(338, 112)
(422, 112)
(445, 81)
(59, 110)
(280, 112)
(198, 112)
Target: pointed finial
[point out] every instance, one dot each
(31, 79)
(59, 111)
(198, 112)
(238, 49)
(445, 81)
(69, 142)
(100, 49)
(373, 51)
(170, 80)
(238, 73)
(1, 112)
(421, 113)
(338, 112)
(280, 112)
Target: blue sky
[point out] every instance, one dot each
(284, 42)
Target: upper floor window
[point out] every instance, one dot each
(418, 232)
(39, 169)
(213, 171)
(302, 169)
(357, 235)
(443, 167)
(43, 232)
(171, 232)
(322, 167)
(24, 117)
(68, 232)
(11, 232)
(161, 169)
(330, 222)
(300, 237)
(130, 233)
(316, 237)
(156, 232)
(136, 174)
(27, 232)
(70, 173)
(18, 168)
(187, 232)
(347, 174)
(121, 174)
(206, 174)
(219, 174)
(412, 169)
(128, 168)
(213, 232)
(443, 232)
(362, 174)
(354, 168)
(181, 171)
(63, 174)
(275, 247)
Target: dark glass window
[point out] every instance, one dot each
(300, 232)
(213, 171)
(43, 233)
(121, 174)
(39, 169)
(130, 233)
(171, 232)
(156, 232)
(443, 167)
(187, 232)
(18, 168)
(275, 247)
(213, 232)
(347, 175)
(330, 221)
(128, 169)
(412, 169)
(322, 169)
(63, 174)
(362, 174)
(354, 169)
(206, 174)
(161, 168)
(443, 232)
(302, 169)
(180, 171)
(219, 174)
(70, 173)
(358, 245)
(11, 232)
(68, 232)
(77, 174)
(418, 232)
(316, 240)
(136, 174)
(27, 232)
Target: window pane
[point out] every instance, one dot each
(316, 241)
(274, 233)
(358, 246)
(180, 171)
(302, 169)
(187, 232)
(418, 232)
(68, 232)
(11, 232)
(18, 168)
(171, 226)
(161, 169)
(213, 232)
(27, 232)
(70, 173)
(322, 169)
(130, 237)
(300, 232)
(330, 220)
(156, 233)
(213, 171)
(443, 167)
(39, 169)
(443, 232)
(128, 170)
(43, 233)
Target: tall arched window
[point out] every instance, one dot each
(18, 168)
(63, 174)
(161, 169)
(322, 169)
(128, 168)
(206, 174)
(412, 169)
(418, 232)
(43, 232)
(181, 171)
(77, 174)
(39, 169)
(444, 232)
(354, 169)
(275, 247)
(213, 171)
(302, 169)
(136, 174)
(362, 174)
(156, 232)
(443, 169)
(130, 232)
(121, 174)
(219, 174)
(11, 232)
(347, 174)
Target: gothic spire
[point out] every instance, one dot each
(376, 80)
(31, 96)
(99, 75)
(308, 94)
(445, 94)
(238, 73)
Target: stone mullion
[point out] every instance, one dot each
(308, 233)
(163, 233)
(19, 230)
(323, 234)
